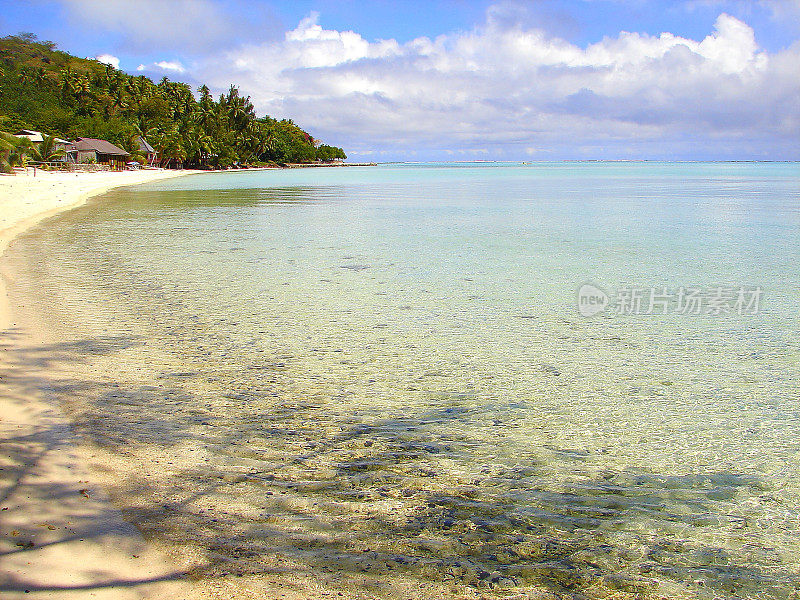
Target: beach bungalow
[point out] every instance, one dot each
(148, 151)
(34, 136)
(37, 138)
(100, 151)
(70, 151)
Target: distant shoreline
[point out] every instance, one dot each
(575, 160)
(318, 165)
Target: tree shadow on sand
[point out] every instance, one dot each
(43, 503)
(263, 493)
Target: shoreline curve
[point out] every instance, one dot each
(60, 535)
(26, 200)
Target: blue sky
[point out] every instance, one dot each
(460, 79)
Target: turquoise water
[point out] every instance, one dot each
(382, 374)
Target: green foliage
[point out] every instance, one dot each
(46, 151)
(327, 153)
(47, 90)
(14, 152)
(6, 145)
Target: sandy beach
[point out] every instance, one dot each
(27, 199)
(60, 537)
(306, 385)
(65, 533)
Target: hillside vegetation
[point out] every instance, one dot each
(47, 90)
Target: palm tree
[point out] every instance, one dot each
(133, 147)
(40, 75)
(239, 110)
(118, 99)
(46, 151)
(267, 144)
(67, 82)
(139, 88)
(110, 75)
(82, 88)
(13, 151)
(5, 149)
(168, 145)
(117, 92)
(206, 114)
(206, 147)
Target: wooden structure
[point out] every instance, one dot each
(148, 151)
(100, 151)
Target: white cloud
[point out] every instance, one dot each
(785, 11)
(172, 65)
(163, 66)
(108, 59)
(502, 84)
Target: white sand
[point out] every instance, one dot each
(25, 200)
(59, 536)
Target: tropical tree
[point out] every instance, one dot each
(25, 76)
(82, 88)
(14, 152)
(5, 150)
(67, 96)
(134, 149)
(67, 83)
(47, 150)
(168, 146)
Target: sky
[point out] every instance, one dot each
(471, 80)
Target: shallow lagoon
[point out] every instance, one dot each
(378, 377)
